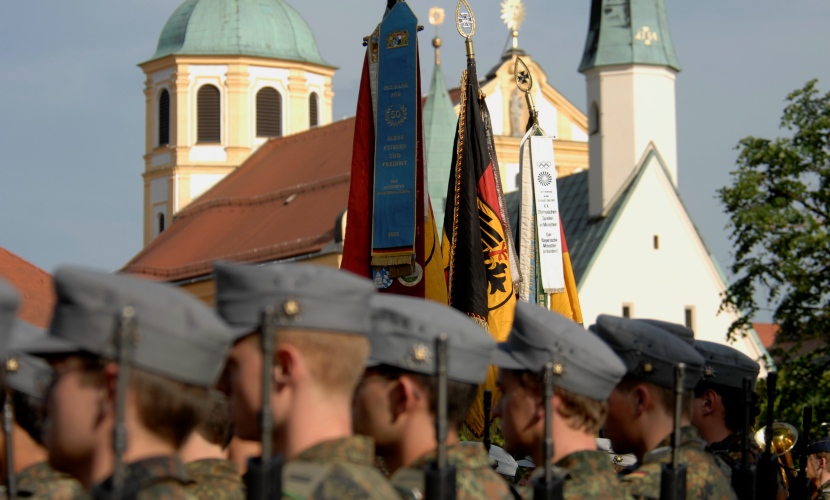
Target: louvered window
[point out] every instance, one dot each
(313, 110)
(164, 118)
(208, 109)
(268, 113)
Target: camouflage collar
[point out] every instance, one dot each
(145, 471)
(689, 436)
(586, 460)
(211, 467)
(464, 455)
(358, 450)
(29, 478)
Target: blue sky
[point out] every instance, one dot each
(72, 103)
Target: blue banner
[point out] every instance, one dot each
(395, 183)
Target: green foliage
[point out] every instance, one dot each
(779, 205)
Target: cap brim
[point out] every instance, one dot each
(43, 345)
(371, 363)
(527, 464)
(503, 358)
(240, 332)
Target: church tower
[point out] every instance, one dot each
(630, 67)
(227, 76)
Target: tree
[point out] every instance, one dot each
(779, 208)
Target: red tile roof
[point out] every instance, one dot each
(766, 332)
(37, 296)
(282, 202)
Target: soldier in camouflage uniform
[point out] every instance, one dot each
(640, 413)
(818, 462)
(586, 371)
(25, 378)
(205, 457)
(320, 350)
(177, 348)
(397, 400)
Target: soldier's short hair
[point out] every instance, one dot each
(580, 412)
(460, 395)
(336, 360)
(168, 408)
(733, 403)
(215, 423)
(28, 413)
(664, 395)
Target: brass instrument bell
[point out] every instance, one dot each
(784, 437)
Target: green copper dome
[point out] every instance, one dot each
(264, 28)
(628, 32)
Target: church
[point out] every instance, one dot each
(238, 100)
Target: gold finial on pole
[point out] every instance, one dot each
(464, 21)
(436, 18)
(524, 82)
(513, 14)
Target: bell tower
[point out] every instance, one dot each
(630, 68)
(226, 77)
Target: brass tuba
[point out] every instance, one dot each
(784, 437)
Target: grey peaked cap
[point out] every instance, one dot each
(23, 372)
(589, 367)
(649, 353)
(9, 301)
(328, 299)
(682, 332)
(726, 365)
(404, 330)
(177, 336)
(36, 341)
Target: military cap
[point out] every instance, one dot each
(583, 364)
(404, 330)
(684, 333)
(819, 446)
(9, 301)
(176, 335)
(649, 353)
(311, 297)
(505, 464)
(726, 365)
(24, 371)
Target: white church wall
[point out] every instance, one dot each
(496, 108)
(661, 282)
(199, 183)
(548, 116)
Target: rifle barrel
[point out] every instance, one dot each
(441, 421)
(124, 337)
(548, 445)
(679, 378)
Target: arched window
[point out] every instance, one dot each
(164, 118)
(593, 119)
(209, 114)
(161, 223)
(313, 110)
(268, 113)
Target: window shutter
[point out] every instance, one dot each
(209, 115)
(268, 113)
(313, 105)
(164, 118)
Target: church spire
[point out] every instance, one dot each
(439, 128)
(628, 32)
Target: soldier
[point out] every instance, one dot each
(319, 355)
(641, 409)
(26, 378)
(719, 403)
(585, 372)
(817, 467)
(205, 454)
(172, 347)
(397, 400)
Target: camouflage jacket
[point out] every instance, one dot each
(44, 482)
(161, 478)
(728, 452)
(823, 492)
(588, 474)
(475, 477)
(704, 478)
(336, 469)
(215, 478)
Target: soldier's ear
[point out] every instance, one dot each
(641, 399)
(409, 395)
(711, 400)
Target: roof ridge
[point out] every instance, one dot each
(246, 201)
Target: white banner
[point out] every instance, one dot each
(546, 198)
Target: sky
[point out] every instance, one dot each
(72, 102)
